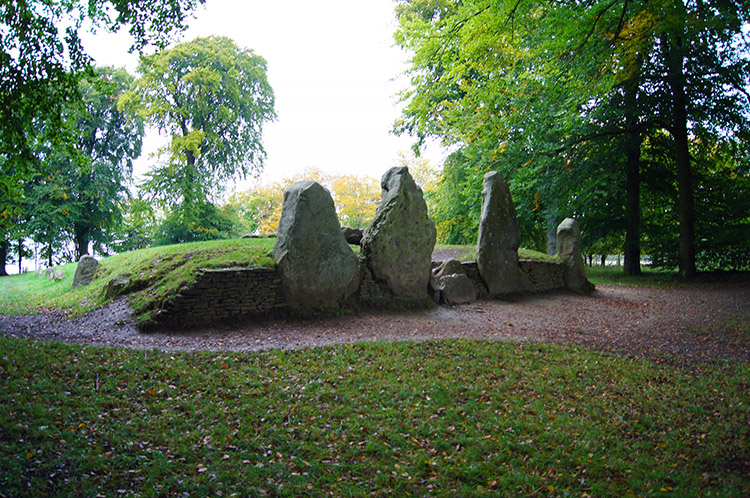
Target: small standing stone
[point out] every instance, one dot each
(86, 271)
(569, 249)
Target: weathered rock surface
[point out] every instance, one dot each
(57, 275)
(86, 271)
(457, 289)
(498, 239)
(114, 287)
(398, 244)
(352, 235)
(569, 249)
(317, 266)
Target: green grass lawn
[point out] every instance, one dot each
(447, 418)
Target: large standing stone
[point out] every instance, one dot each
(317, 266)
(398, 243)
(499, 238)
(569, 249)
(86, 271)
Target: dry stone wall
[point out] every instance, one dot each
(222, 294)
(543, 276)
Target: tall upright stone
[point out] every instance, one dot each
(569, 249)
(85, 271)
(498, 239)
(317, 266)
(398, 243)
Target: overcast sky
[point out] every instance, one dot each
(332, 65)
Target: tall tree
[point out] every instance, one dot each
(78, 190)
(527, 90)
(212, 99)
(41, 64)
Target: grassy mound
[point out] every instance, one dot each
(156, 274)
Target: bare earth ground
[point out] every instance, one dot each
(675, 324)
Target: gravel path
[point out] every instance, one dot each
(677, 324)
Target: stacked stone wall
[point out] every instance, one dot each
(543, 276)
(222, 294)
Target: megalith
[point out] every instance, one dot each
(86, 271)
(569, 249)
(316, 265)
(398, 243)
(498, 239)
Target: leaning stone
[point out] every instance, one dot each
(317, 266)
(449, 267)
(86, 271)
(434, 288)
(57, 275)
(398, 243)
(499, 238)
(352, 235)
(40, 271)
(50, 272)
(114, 287)
(569, 249)
(458, 289)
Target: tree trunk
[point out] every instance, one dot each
(632, 182)
(685, 202)
(604, 260)
(4, 245)
(82, 242)
(20, 257)
(551, 237)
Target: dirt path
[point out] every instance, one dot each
(680, 324)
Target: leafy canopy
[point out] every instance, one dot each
(212, 98)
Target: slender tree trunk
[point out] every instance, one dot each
(604, 260)
(82, 242)
(20, 257)
(685, 201)
(4, 245)
(632, 182)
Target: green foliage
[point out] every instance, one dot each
(42, 61)
(196, 222)
(212, 98)
(138, 227)
(560, 97)
(449, 418)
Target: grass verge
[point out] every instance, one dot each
(448, 418)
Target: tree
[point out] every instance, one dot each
(212, 99)
(75, 193)
(40, 66)
(522, 88)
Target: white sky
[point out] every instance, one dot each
(331, 64)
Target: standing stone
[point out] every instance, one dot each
(569, 249)
(499, 238)
(398, 243)
(317, 266)
(86, 271)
